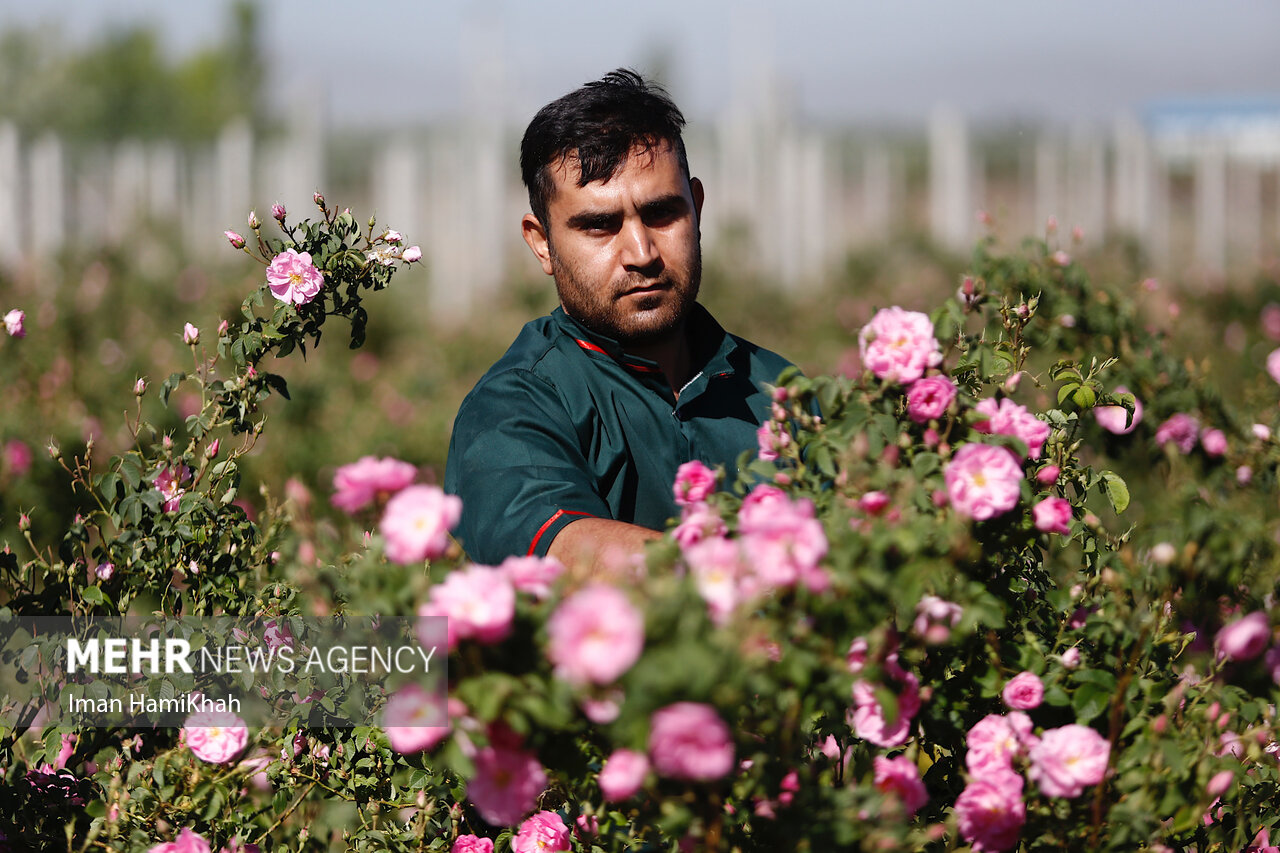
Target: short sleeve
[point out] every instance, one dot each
(515, 461)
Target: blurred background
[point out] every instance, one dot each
(852, 152)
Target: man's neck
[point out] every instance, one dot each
(672, 355)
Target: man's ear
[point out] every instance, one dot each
(695, 187)
(536, 236)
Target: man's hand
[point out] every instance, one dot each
(598, 547)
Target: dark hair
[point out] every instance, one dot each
(599, 125)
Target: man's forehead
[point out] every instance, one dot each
(567, 169)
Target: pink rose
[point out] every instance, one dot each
(688, 740)
(369, 479)
(411, 719)
(479, 603)
(1213, 441)
(935, 617)
(898, 345)
(1180, 429)
(995, 741)
(873, 503)
(623, 774)
(983, 481)
(169, 483)
(694, 482)
(544, 831)
(186, 842)
(1071, 658)
(856, 658)
(17, 457)
(867, 716)
(1023, 692)
(698, 521)
(1008, 418)
(293, 278)
(720, 574)
(1115, 419)
(411, 254)
(190, 334)
(1052, 515)
(507, 781)
(1245, 638)
(929, 397)
(1273, 365)
(901, 777)
(14, 323)
(781, 537)
(532, 575)
(417, 521)
(471, 844)
(771, 439)
(215, 736)
(990, 812)
(236, 241)
(1067, 759)
(594, 636)
(1048, 475)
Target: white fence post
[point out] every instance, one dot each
(1211, 207)
(47, 202)
(950, 204)
(11, 231)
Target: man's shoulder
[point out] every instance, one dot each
(535, 356)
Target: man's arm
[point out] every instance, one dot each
(598, 547)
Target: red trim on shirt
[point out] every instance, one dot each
(587, 345)
(550, 521)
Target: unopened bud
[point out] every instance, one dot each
(1023, 311)
(318, 199)
(393, 237)
(167, 442)
(278, 212)
(222, 328)
(140, 387)
(254, 224)
(24, 522)
(411, 254)
(54, 451)
(190, 334)
(212, 450)
(236, 241)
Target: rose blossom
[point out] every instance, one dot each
(1262, 432)
(478, 601)
(1273, 365)
(990, 811)
(544, 831)
(698, 521)
(1115, 419)
(867, 715)
(507, 781)
(1245, 638)
(694, 482)
(771, 439)
(983, 481)
(169, 483)
(688, 740)
(781, 537)
(293, 278)
(1067, 759)
(14, 323)
(928, 398)
(901, 777)
(898, 345)
(1181, 429)
(187, 841)
(1071, 658)
(995, 740)
(623, 774)
(935, 617)
(417, 521)
(362, 482)
(1023, 692)
(1008, 418)
(471, 844)
(720, 574)
(411, 254)
(190, 334)
(408, 717)
(215, 736)
(532, 575)
(595, 635)
(1052, 515)
(1214, 442)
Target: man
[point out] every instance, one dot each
(569, 445)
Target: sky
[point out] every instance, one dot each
(831, 61)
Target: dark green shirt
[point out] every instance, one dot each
(567, 425)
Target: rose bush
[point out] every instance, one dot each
(933, 616)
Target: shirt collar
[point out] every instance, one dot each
(711, 346)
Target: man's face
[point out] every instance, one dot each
(624, 252)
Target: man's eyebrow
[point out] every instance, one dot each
(666, 203)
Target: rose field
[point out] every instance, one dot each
(1012, 589)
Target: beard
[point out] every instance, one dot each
(632, 319)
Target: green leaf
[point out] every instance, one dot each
(1116, 490)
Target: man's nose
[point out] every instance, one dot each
(639, 251)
